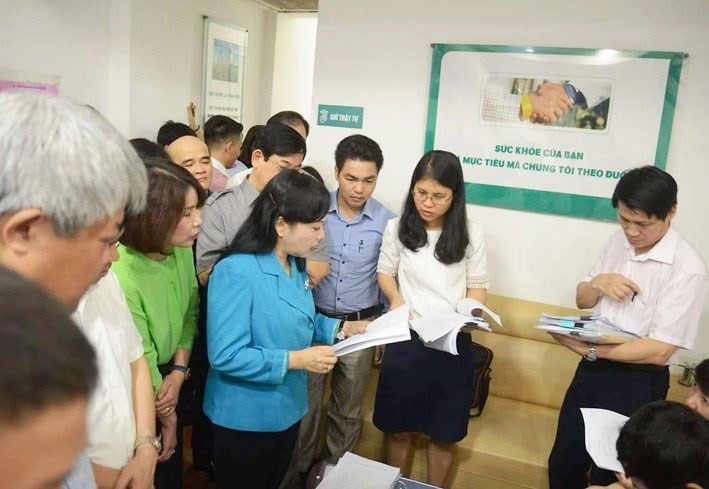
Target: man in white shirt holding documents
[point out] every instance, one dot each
(650, 281)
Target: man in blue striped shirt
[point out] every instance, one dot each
(354, 226)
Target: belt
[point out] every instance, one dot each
(353, 316)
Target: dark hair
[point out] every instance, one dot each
(219, 128)
(358, 147)
(294, 196)
(148, 149)
(279, 139)
(290, 117)
(444, 168)
(168, 183)
(701, 376)
(171, 131)
(664, 444)
(310, 170)
(648, 189)
(248, 145)
(47, 360)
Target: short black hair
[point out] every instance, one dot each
(47, 360)
(442, 167)
(358, 147)
(171, 131)
(701, 376)
(148, 149)
(279, 139)
(290, 117)
(248, 144)
(664, 444)
(647, 189)
(296, 197)
(219, 129)
(310, 170)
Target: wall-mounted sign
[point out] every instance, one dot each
(550, 129)
(340, 116)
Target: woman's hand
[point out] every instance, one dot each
(316, 359)
(169, 393)
(139, 473)
(351, 328)
(169, 436)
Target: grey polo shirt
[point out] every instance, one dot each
(222, 216)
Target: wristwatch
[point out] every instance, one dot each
(591, 355)
(183, 369)
(148, 439)
(340, 333)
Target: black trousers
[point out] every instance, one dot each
(250, 459)
(616, 386)
(202, 436)
(168, 474)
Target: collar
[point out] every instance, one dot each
(249, 190)
(663, 251)
(367, 211)
(292, 293)
(218, 165)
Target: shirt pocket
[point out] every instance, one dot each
(639, 315)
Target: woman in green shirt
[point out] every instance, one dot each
(157, 274)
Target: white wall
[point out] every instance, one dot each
(377, 55)
(139, 62)
(294, 62)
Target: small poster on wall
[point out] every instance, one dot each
(225, 47)
(25, 81)
(550, 129)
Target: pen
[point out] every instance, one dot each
(633, 298)
(361, 244)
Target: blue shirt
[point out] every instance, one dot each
(256, 315)
(354, 250)
(81, 476)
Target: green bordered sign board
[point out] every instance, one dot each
(340, 116)
(550, 129)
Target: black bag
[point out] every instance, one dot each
(482, 359)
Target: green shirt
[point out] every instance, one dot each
(162, 297)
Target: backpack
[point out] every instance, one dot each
(482, 360)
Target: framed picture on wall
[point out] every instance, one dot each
(551, 129)
(225, 49)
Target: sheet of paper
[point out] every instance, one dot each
(355, 472)
(602, 429)
(431, 328)
(465, 306)
(392, 327)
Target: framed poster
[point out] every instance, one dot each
(498, 109)
(225, 47)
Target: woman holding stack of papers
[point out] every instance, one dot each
(431, 257)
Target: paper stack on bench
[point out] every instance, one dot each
(389, 328)
(440, 331)
(598, 330)
(355, 472)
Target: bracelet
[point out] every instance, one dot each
(198, 128)
(183, 369)
(148, 439)
(526, 107)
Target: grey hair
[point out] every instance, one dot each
(66, 160)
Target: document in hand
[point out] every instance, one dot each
(389, 328)
(355, 472)
(440, 330)
(602, 429)
(598, 330)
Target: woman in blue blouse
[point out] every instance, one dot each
(261, 323)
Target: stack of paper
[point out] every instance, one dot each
(355, 472)
(440, 330)
(589, 329)
(389, 328)
(602, 429)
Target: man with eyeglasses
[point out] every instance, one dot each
(354, 226)
(650, 281)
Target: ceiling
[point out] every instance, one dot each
(292, 5)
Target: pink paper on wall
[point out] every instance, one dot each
(50, 88)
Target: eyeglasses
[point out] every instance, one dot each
(421, 196)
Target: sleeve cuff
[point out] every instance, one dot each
(281, 363)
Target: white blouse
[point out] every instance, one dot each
(427, 285)
(105, 319)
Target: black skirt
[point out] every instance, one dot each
(425, 390)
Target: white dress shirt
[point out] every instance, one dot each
(105, 319)
(672, 279)
(427, 285)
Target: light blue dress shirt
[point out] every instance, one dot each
(256, 315)
(81, 476)
(354, 250)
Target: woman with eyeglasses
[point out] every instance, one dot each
(431, 257)
(261, 324)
